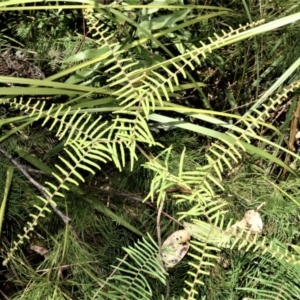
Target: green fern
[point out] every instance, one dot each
(133, 95)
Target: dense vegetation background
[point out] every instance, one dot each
(121, 120)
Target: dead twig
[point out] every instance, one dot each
(160, 245)
(65, 218)
(293, 131)
(135, 198)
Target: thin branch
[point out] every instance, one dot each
(158, 228)
(31, 170)
(135, 198)
(41, 188)
(65, 219)
(5, 297)
(160, 245)
(293, 131)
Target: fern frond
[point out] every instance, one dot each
(208, 234)
(87, 143)
(273, 103)
(276, 279)
(130, 279)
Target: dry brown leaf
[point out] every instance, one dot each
(40, 250)
(251, 221)
(175, 248)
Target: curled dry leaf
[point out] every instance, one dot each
(251, 221)
(175, 248)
